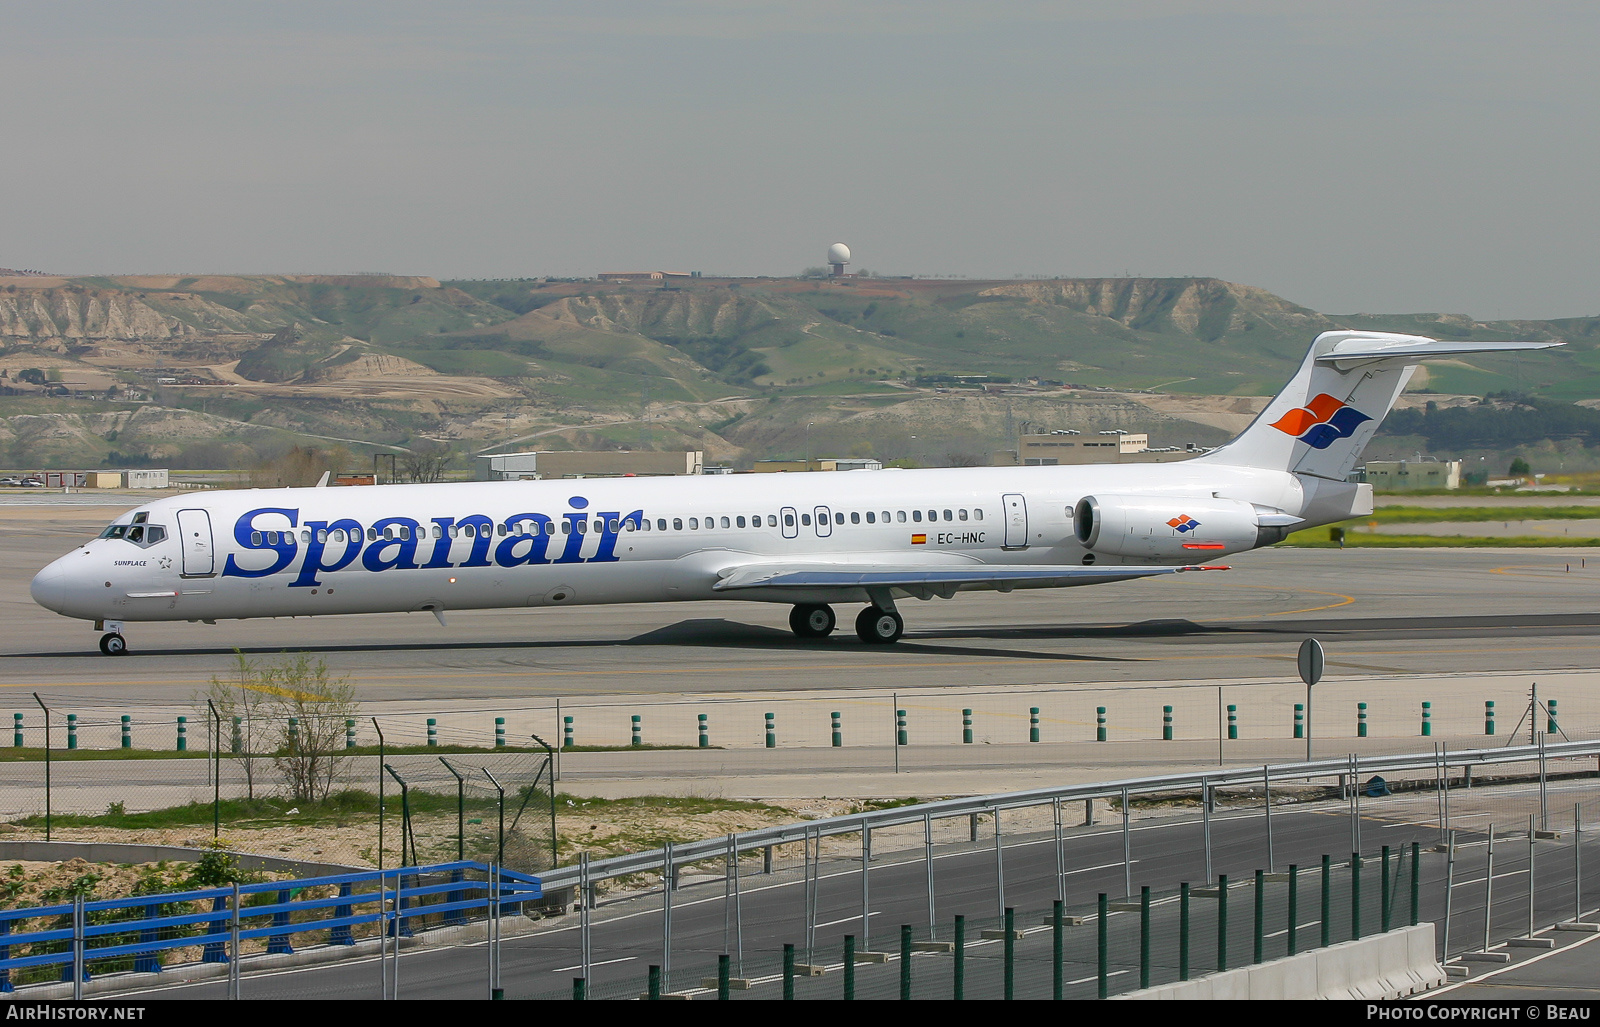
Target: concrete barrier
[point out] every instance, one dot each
(1384, 966)
(129, 852)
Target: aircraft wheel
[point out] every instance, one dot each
(879, 627)
(811, 620)
(113, 644)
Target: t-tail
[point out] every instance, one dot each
(1323, 419)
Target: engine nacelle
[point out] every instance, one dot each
(1168, 527)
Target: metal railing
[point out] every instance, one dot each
(1439, 762)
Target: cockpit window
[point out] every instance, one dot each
(140, 533)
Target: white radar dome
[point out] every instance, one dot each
(838, 253)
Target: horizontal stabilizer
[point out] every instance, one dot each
(753, 576)
(1411, 348)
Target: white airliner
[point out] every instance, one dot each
(810, 540)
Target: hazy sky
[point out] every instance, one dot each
(1350, 156)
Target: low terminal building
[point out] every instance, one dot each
(832, 463)
(573, 464)
(1050, 449)
(138, 478)
(1410, 475)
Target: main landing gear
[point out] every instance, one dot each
(113, 644)
(873, 626)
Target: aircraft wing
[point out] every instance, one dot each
(924, 580)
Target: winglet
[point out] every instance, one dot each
(322, 482)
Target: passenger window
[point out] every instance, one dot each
(948, 516)
(739, 520)
(933, 515)
(788, 520)
(838, 518)
(916, 515)
(388, 533)
(900, 516)
(855, 518)
(694, 524)
(305, 536)
(772, 520)
(255, 537)
(661, 524)
(627, 524)
(872, 518)
(677, 524)
(405, 531)
(977, 514)
(725, 523)
(805, 519)
(962, 513)
(322, 535)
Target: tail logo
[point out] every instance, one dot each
(1322, 422)
(1184, 523)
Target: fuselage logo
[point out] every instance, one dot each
(1321, 422)
(1184, 523)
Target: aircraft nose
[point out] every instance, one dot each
(49, 587)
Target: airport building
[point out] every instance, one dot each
(831, 463)
(606, 464)
(1065, 447)
(1408, 475)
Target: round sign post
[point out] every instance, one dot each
(1310, 662)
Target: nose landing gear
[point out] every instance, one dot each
(113, 644)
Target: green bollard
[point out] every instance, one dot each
(1299, 720)
(1010, 948)
(1033, 723)
(127, 731)
(1057, 950)
(1361, 720)
(966, 727)
(1488, 716)
(1261, 917)
(72, 732)
(900, 727)
(1144, 936)
(1099, 723)
(349, 733)
(1427, 718)
(849, 967)
(653, 983)
(722, 978)
(16, 730)
(905, 962)
(1383, 884)
(183, 735)
(1550, 725)
(1183, 931)
(959, 981)
(1222, 922)
(566, 732)
(499, 732)
(1355, 896)
(1327, 900)
(580, 989)
(433, 731)
(1294, 904)
(705, 731)
(838, 735)
(788, 972)
(1166, 723)
(294, 734)
(1233, 722)
(638, 728)
(1102, 946)
(772, 733)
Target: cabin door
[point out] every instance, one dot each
(1016, 511)
(194, 528)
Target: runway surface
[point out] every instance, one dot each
(1378, 613)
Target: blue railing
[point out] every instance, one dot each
(398, 900)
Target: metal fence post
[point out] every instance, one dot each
(235, 956)
(1261, 914)
(1102, 947)
(1327, 899)
(959, 967)
(1355, 896)
(1294, 906)
(47, 748)
(1061, 852)
(666, 914)
(78, 942)
(1488, 891)
(1057, 946)
(1144, 936)
(1266, 807)
(788, 972)
(1127, 848)
(653, 983)
(927, 860)
(1577, 866)
(1222, 922)
(905, 962)
(1383, 884)
(999, 867)
(1183, 931)
(849, 967)
(722, 977)
(1416, 885)
(1530, 874)
(866, 892)
(1009, 923)
(585, 901)
(1205, 820)
(1449, 891)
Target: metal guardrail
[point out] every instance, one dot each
(222, 926)
(691, 852)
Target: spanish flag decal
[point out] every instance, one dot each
(919, 540)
